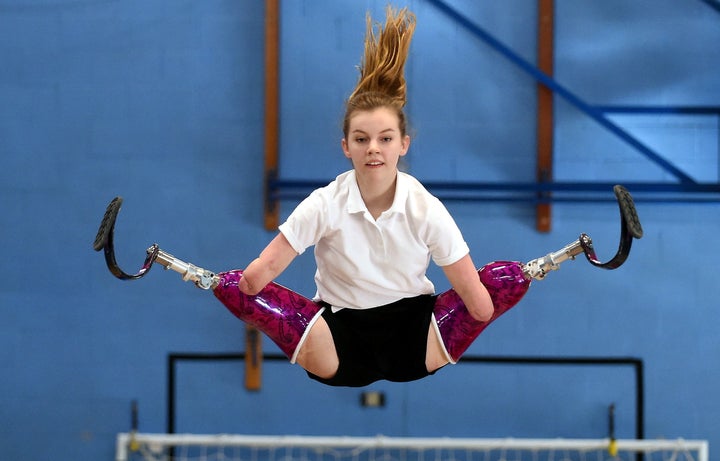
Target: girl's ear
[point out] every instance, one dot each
(405, 145)
(344, 145)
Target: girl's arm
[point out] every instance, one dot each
(465, 281)
(273, 260)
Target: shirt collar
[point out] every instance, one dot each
(355, 202)
(401, 194)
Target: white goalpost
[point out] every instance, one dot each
(226, 447)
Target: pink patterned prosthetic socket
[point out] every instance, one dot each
(506, 283)
(282, 314)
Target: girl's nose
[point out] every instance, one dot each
(373, 147)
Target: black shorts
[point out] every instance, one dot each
(387, 342)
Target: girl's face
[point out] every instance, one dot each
(374, 143)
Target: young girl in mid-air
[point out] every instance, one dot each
(375, 230)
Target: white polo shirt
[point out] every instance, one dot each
(364, 263)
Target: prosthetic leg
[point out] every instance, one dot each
(282, 314)
(508, 281)
(286, 317)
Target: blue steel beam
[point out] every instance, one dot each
(560, 90)
(671, 110)
(563, 191)
(714, 4)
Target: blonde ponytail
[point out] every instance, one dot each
(382, 70)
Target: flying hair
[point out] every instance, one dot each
(382, 69)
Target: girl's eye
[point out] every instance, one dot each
(387, 139)
(360, 140)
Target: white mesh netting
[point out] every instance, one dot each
(195, 447)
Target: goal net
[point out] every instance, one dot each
(195, 447)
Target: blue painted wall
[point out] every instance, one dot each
(162, 102)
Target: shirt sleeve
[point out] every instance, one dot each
(304, 227)
(444, 240)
